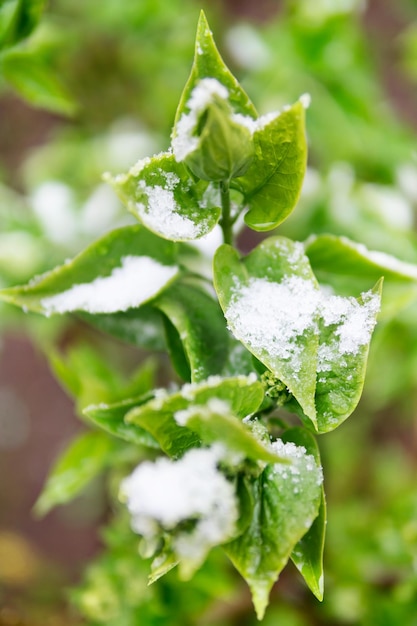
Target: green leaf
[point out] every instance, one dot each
(287, 500)
(331, 256)
(85, 459)
(162, 194)
(272, 184)
(215, 422)
(242, 393)
(209, 64)
(199, 322)
(36, 82)
(269, 301)
(18, 18)
(141, 327)
(307, 555)
(350, 266)
(342, 368)
(122, 270)
(111, 418)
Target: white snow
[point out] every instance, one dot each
(300, 463)
(136, 280)
(184, 142)
(162, 213)
(272, 318)
(384, 260)
(162, 494)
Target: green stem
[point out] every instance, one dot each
(226, 222)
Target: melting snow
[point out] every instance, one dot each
(273, 317)
(162, 494)
(135, 281)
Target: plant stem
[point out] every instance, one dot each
(226, 222)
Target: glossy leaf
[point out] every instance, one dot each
(85, 459)
(272, 184)
(243, 395)
(122, 270)
(268, 299)
(111, 418)
(199, 322)
(215, 422)
(287, 500)
(307, 555)
(209, 64)
(162, 194)
(141, 327)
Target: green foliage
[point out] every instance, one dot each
(279, 336)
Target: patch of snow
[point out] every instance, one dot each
(138, 279)
(163, 494)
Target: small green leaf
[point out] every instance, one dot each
(111, 418)
(36, 82)
(242, 393)
(122, 270)
(215, 422)
(162, 194)
(209, 64)
(307, 555)
(287, 500)
(272, 184)
(269, 300)
(85, 459)
(199, 322)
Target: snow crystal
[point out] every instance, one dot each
(271, 317)
(162, 214)
(305, 100)
(162, 494)
(135, 281)
(184, 142)
(300, 461)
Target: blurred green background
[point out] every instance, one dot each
(88, 87)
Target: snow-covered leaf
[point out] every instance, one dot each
(287, 500)
(269, 300)
(120, 271)
(163, 195)
(243, 394)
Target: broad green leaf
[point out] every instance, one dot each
(209, 64)
(215, 422)
(141, 327)
(287, 500)
(85, 459)
(36, 82)
(331, 255)
(122, 270)
(18, 18)
(272, 184)
(243, 394)
(350, 267)
(162, 194)
(111, 418)
(269, 300)
(307, 555)
(199, 322)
